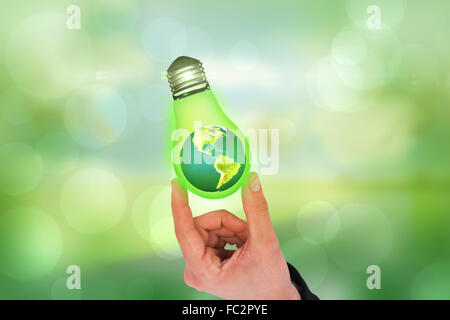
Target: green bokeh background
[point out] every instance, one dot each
(363, 115)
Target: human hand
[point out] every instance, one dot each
(256, 270)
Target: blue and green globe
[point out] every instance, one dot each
(213, 158)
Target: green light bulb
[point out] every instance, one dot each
(210, 155)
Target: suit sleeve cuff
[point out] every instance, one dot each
(300, 284)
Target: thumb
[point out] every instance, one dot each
(257, 211)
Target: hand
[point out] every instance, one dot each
(256, 270)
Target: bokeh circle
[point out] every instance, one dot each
(45, 58)
(327, 89)
(349, 48)
(95, 116)
(20, 168)
(163, 39)
(309, 257)
(365, 237)
(318, 221)
(432, 282)
(93, 200)
(30, 243)
(154, 101)
(58, 152)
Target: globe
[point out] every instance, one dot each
(213, 158)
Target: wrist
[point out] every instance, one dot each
(292, 293)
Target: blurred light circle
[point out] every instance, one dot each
(164, 39)
(45, 58)
(93, 200)
(244, 56)
(141, 211)
(345, 284)
(20, 168)
(391, 11)
(432, 282)
(309, 257)
(365, 237)
(14, 107)
(349, 48)
(199, 43)
(162, 232)
(133, 113)
(116, 15)
(164, 240)
(386, 46)
(30, 243)
(160, 206)
(59, 291)
(318, 221)
(287, 129)
(328, 90)
(154, 101)
(95, 116)
(365, 59)
(366, 75)
(58, 152)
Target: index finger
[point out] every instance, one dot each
(190, 240)
(181, 212)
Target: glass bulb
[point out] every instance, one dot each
(210, 155)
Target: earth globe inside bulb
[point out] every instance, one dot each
(213, 158)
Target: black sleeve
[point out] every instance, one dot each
(301, 285)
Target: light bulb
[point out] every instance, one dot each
(210, 155)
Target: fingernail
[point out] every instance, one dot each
(255, 184)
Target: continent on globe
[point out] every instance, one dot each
(227, 169)
(206, 136)
(222, 156)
